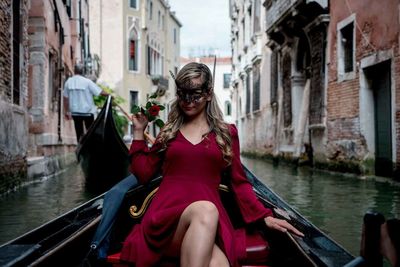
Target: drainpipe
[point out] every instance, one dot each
(60, 67)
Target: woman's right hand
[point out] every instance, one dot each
(139, 122)
(281, 225)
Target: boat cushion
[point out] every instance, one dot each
(257, 251)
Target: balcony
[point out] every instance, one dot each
(278, 10)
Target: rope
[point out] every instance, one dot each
(359, 28)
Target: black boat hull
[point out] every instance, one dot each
(102, 154)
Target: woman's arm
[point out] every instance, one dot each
(145, 161)
(251, 208)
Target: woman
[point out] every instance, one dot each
(186, 221)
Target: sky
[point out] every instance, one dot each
(205, 26)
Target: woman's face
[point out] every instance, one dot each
(193, 101)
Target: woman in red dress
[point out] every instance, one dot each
(186, 222)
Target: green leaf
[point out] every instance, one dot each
(159, 123)
(150, 118)
(148, 105)
(161, 107)
(135, 109)
(153, 96)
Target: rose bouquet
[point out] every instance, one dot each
(151, 110)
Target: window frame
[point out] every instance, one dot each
(133, 27)
(342, 75)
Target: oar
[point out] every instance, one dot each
(148, 137)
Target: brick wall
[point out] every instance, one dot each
(317, 36)
(13, 117)
(5, 50)
(12, 173)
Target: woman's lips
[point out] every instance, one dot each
(187, 108)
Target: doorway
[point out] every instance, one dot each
(379, 78)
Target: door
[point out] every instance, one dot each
(381, 86)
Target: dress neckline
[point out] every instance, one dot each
(187, 140)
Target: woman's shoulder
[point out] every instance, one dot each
(232, 129)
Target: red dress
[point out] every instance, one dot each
(190, 173)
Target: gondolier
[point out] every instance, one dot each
(78, 100)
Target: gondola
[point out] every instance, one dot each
(67, 240)
(102, 154)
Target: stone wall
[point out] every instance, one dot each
(13, 112)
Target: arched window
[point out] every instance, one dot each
(228, 108)
(133, 44)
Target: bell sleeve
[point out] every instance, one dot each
(145, 161)
(250, 207)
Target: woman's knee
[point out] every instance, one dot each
(205, 212)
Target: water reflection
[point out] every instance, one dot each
(38, 203)
(334, 203)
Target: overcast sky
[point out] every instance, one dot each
(206, 26)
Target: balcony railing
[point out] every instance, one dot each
(278, 9)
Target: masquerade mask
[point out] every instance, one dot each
(190, 95)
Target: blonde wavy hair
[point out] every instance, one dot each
(214, 114)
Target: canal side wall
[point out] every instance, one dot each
(13, 93)
(347, 119)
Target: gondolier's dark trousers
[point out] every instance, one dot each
(79, 120)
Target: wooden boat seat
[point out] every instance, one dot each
(257, 251)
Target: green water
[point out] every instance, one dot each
(334, 203)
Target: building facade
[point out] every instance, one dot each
(330, 82)
(222, 82)
(58, 39)
(13, 93)
(138, 43)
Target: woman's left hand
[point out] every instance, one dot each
(281, 225)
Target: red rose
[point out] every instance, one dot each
(154, 110)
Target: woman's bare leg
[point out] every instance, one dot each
(218, 258)
(195, 234)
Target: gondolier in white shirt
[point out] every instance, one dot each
(78, 100)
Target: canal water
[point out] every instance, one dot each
(334, 203)
(37, 203)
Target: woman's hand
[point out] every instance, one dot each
(139, 122)
(281, 225)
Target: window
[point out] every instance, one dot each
(228, 108)
(133, 44)
(134, 98)
(154, 60)
(53, 81)
(256, 17)
(274, 77)
(227, 80)
(347, 45)
(68, 6)
(243, 32)
(346, 48)
(248, 94)
(16, 44)
(256, 87)
(133, 4)
(151, 11)
(159, 19)
(175, 37)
